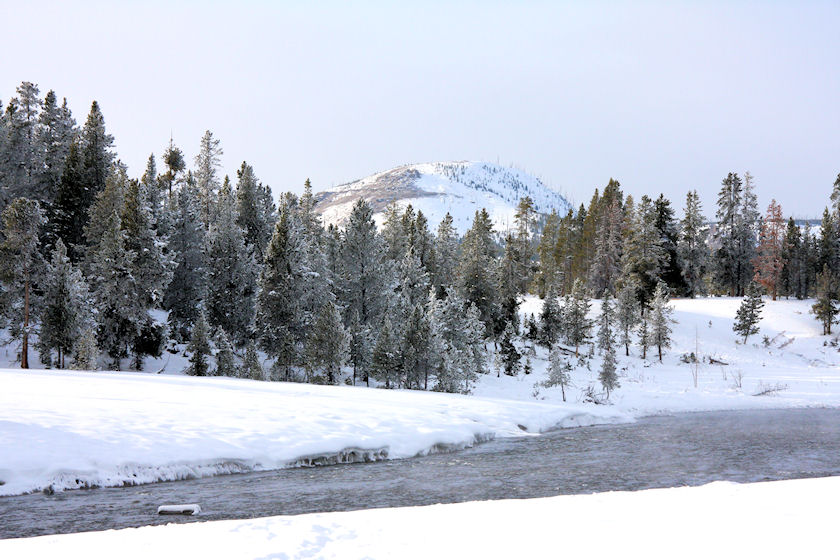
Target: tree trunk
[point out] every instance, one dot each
(24, 357)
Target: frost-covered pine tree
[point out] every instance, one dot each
(57, 131)
(607, 374)
(188, 288)
(559, 370)
(86, 356)
(279, 321)
(606, 263)
(385, 363)
(21, 269)
(457, 335)
(525, 224)
(151, 269)
(393, 233)
(66, 308)
(445, 255)
(692, 248)
(120, 313)
(509, 281)
(206, 179)
(749, 313)
(627, 315)
(726, 261)
(225, 361)
(251, 366)
(577, 325)
(768, 262)
(254, 217)
(644, 336)
(476, 278)
(326, 344)
(747, 233)
(199, 347)
(231, 272)
(23, 162)
(507, 349)
(660, 319)
(358, 348)
(606, 324)
(551, 319)
(825, 309)
(644, 254)
(364, 279)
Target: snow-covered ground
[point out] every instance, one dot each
(787, 519)
(73, 429)
(76, 429)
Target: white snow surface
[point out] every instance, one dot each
(74, 429)
(65, 430)
(787, 519)
(459, 188)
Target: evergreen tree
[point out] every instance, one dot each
(252, 368)
(747, 233)
(231, 272)
(57, 131)
(575, 316)
(66, 304)
(510, 355)
(475, 275)
(726, 262)
(667, 227)
(69, 212)
(768, 261)
(825, 309)
(749, 313)
(692, 249)
(660, 319)
(206, 163)
(173, 159)
(509, 281)
(359, 347)
(606, 264)
(151, 188)
(445, 256)
(199, 347)
(791, 261)
(96, 156)
(253, 216)
(385, 361)
(21, 269)
(549, 268)
(525, 223)
(326, 345)
(550, 319)
(225, 362)
(644, 336)
(87, 352)
(606, 324)
(151, 270)
(627, 315)
(187, 289)
(829, 243)
(23, 162)
(393, 233)
(558, 370)
(643, 254)
(457, 342)
(607, 374)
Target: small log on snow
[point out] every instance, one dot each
(717, 362)
(179, 509)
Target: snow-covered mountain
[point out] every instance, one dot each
(459, 187)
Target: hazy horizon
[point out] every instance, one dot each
(663, 97)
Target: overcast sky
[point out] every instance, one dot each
(664, 97)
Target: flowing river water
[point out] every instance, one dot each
(655, 452)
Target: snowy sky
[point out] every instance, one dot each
(662, 96)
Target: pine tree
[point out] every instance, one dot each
(151, 269)
(173, 159)
(507, 348)
(96, 156)
(548, 266)
(575, 316)
(525, 222)
(151, 188)
(606, 324)
(199, 347)
(558, 370)
(660, 319)
(747, 233)
(627, 315)
(445, 256)
(21, 268)
(509, 282)
(23, 162)
(225, 362)
(607, 374)
(825, 309)
(768, 262)
(69, 211)
(66, 304)
(120, 313)
(359, 347)
(829, 243)
(86, 356)
(644, 336)
(692, 248)
(252, 368)
(726, 260)
(667, 227)
(206, 163)
(475, 274)
(606, 264)
(56, 133)
(326, 345)
(643, 254)
(231, 273)
(749, 313)
(393, 233)
(279, 321)
(457, 335)
(187, 289)
(550, 319)
(792, 261)
(253, 216)
(385, 361)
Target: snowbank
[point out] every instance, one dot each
(62, 430)
(788, 519)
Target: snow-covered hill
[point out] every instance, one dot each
(459, 188)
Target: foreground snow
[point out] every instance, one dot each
(788, 519)
(69, 430)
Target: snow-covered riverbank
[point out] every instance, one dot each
(788, 519)
(75, 429)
